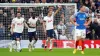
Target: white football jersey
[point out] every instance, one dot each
(49, 22)
(19, 24)
(32, 22)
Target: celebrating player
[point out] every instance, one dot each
(13, 43)
(48, 26)
(32, 32)
(80, 30)
(17, 27)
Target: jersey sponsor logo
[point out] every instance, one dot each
(82, 19)
(19, 24)
(50, 21)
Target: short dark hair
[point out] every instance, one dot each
(33, 15)
(81, 6)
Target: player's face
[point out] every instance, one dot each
(50, 8)
(83, 9)
(18, 15)
(61, 23)
(50, 13)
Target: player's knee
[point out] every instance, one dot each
(49, 38)
(17, 39)
(36, 39)
(30, 39)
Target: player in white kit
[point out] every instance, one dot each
(17, 27)
(48, 26)
(32, 31)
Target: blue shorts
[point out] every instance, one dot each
(31, 34)
(50, 33)
(17, 35)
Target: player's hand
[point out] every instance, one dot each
(86, 25)
(12, 32)
(59, 6)
(76, 24)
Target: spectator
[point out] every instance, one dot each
(87, 3)
(12, 16)
(98, 3)
(97, 20)
(61, 29)
(93, 7)
(63, 18)
(89, 31)
(24, 1)
(2, 1)
(78, 3)
(12, 11)
(19, 9)
(97, 10)
(55, 1)
(91, 14)
(56, 33)
(69, 1)
(43, 1)
(2, 31)
(61, 1)
(37, 1)
(1, 15)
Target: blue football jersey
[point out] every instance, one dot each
(80, 19)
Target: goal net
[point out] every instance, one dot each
(8, 12)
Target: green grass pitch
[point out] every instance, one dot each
(55, 52)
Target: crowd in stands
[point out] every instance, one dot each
(7, 14)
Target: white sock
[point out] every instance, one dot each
(34, 42)
(11, 44)
(30, 42)
(14, 44)
(46, 42)
(50, 44)
(18, 45)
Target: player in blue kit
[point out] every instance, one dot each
(80, 30)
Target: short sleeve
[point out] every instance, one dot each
(36, 18)
(28, 21)
(74, 15)
(45, 19)
(13, 21)
(87, 15)
(53, 14)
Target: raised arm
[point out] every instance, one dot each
(26, 24)
(59, 8)
(44, 26)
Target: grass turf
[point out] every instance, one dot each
(55, 52)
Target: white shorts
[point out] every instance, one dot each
(80, 32)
